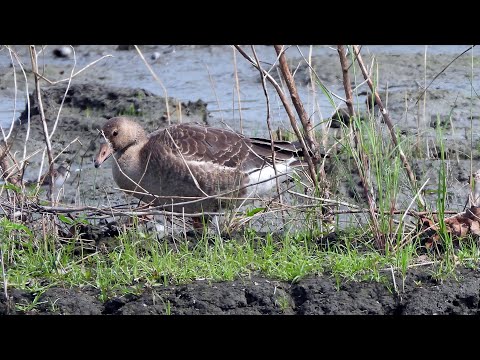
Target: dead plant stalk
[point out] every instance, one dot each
(33, 57)
(297, 103)
(272, 147)
(363, 169)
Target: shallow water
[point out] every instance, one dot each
(196, 72)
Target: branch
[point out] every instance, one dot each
(306, 123)
(33, 57)
(264, 86)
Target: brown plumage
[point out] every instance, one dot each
(189, 161)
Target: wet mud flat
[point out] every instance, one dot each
(105, 91)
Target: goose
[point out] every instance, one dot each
(183, 166)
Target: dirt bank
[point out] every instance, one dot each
(420, 294)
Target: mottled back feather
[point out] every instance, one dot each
(222, 147)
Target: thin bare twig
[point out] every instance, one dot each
(157, 79)
(72, 75)
(440, 73)
(356, 209)
(319, 81)
(269, 126)
(237, 85)
(33, 57)
(64, 95)
(5, 138)
(297, 103)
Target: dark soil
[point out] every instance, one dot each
(319, 295)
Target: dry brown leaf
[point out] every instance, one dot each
(475, 227)
(455, 226)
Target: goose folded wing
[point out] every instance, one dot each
(202, 144)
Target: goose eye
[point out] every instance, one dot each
(115, 132)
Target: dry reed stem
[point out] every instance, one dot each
(33, 57)
(363, 169)
(237, 86)
(213, 86)
(346, 79)
(269, 126)
(4, 276)
(156, 79)
(297, 103)
(386, 118)
(410, 205)
(27, 135)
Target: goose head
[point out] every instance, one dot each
(120, 133)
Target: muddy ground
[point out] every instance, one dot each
(419, 294)
(120, 87)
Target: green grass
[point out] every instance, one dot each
(130, 111)
(138, 260)
(445, 236)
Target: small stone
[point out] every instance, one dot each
(339, 117)
(63, 52)
(125, 47)
(155, 56)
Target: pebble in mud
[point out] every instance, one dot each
(63, 52)
(125, 47)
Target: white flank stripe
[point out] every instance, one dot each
(266, 173)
